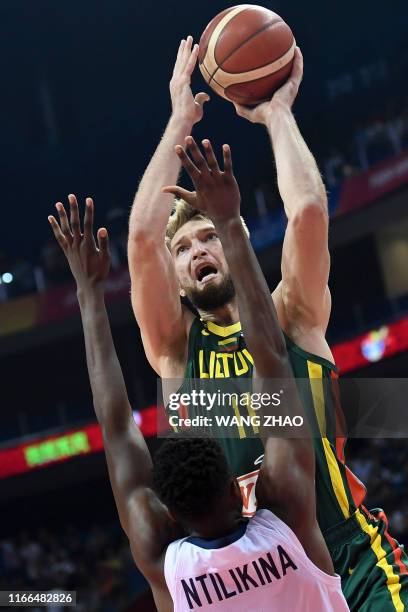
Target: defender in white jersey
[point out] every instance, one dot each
(258, 568)
(183, 515)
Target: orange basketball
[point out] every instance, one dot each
(246, 53)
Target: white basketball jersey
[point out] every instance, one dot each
(261, 567)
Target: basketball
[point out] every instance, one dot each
(246, 53)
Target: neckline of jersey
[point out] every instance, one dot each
(222, 331)
(219, 542)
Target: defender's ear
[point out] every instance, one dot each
(182, 293)
(235, 489)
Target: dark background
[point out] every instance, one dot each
(85, 94)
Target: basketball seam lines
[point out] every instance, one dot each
(244, 42)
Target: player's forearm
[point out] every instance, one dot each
(108, 387)
(257, 312)
(151, 208)
(299, 180)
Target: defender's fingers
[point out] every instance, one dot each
(196, 154)
(210, 156)
(66, 230)
(226, 152)
(179, 192)
(103, 242)
(62, 241)
(74, 216)
(187, 164)
(88, 219)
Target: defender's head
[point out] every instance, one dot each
(201, 268)
(192, 478)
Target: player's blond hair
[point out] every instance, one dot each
(181, 214)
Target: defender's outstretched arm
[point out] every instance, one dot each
(143, 518)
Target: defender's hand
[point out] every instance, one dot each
(185, 106)
(216, 191)
(89, 264)
(284, 96)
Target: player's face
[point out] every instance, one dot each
(200, 265)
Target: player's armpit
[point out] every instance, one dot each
(156, 300)
(306, 266)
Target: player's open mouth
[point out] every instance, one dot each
(206, 273)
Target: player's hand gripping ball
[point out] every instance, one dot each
(246, 53)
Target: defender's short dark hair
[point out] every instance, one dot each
(190, 474)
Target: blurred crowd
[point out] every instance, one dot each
(20, 277)
(378, 139)
(97, 565)
(381, 464)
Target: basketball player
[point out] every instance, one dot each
(180, 345)
(277, 560)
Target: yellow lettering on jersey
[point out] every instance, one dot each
(219, 367)
(224, 358)
(239, 371)
(218, 372)
(203, 373)
(201, 365)
(248, 356)
(212, 364)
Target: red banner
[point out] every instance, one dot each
(372, 346)
(49, 450)
(371, 185)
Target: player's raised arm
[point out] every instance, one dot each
(287, 483)
(305, 256)
(130, 466)
(155, 290)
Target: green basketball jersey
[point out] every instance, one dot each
(220, 352)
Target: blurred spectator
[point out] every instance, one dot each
(17, 278)
(333, 168)
(11, 560)
(54, 265)
(381, 464)
(96, 564)
(117, 224)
